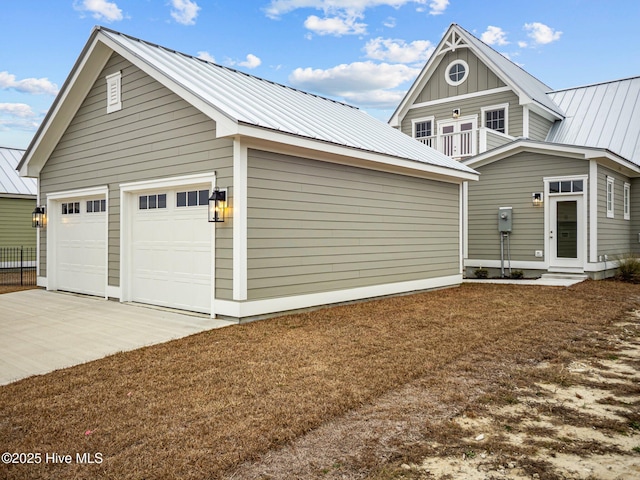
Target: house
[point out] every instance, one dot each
(324, 204)
(17, 201)
(559, 170)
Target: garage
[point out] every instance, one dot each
(79, 241)
(170, 248)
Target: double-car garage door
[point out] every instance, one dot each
(167, 247)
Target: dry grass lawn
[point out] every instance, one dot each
(218, 404)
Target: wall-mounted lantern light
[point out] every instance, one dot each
(536, 199)
(455, 113)
(217, 205)
(38, 217)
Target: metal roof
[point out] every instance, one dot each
(518, 77)
(604, 115)
(10, 182)
(257, 102)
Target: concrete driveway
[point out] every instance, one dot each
(43, 331)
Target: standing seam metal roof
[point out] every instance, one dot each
(604, 115)
(10, 182)
(255, 101)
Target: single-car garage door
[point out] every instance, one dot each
(80, 245)
(171, 243)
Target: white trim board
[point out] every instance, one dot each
(282, 304)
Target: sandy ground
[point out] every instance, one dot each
(584, 426)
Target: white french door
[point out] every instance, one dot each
(457, 138)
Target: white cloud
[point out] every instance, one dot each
(494, 36)
(398, 51)
(100, 9)
(541, 33)
(522, 44)
(206, 56)
(336, 26)
(21, 110)
(28, 85)
(251, 62)
(184, 11)
(390, 22)
(365, 83)
(438, 7)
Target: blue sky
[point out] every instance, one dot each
(363, 52)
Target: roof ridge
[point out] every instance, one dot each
(594, 84)
(506, 58)
(152, 44)
(12, 148)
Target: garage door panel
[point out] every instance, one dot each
(80, 249)
(171, 255)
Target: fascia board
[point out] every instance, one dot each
(260, 138)
(66, 104)
(420, 82)
(224, 122)
(571, 151)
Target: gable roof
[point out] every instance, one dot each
(241, 105)
(604, 115)
(10, 182)
(529, 89)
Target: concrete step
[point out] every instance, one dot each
(564, 276)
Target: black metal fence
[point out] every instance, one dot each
(18, 266)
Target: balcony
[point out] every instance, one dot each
(467, 143)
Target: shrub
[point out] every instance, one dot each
(481, 273)
(629, 269)
(517, 274)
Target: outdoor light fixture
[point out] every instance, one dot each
(536, 199)
(217, 205)
(455, 113)
(37, 217)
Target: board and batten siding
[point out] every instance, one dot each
(613, 233)
(155, 135)
(468, 107)
(15, 222)
(509, 183)
(480, 78)
(315, 226)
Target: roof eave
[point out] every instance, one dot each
(327, 151)
(574, 151)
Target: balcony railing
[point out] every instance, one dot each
(467, 143)
(455, 145)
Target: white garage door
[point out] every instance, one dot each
(171, 249)
(80, 245)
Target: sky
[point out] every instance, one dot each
(363, 52)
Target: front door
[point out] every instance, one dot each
(566, 242)
(457, 138)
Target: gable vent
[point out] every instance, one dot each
(114, 101)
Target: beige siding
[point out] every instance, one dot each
(15, 222)
(469, 107)
(613, 233)
(495, 140)
(315, 226)
(480, 78)
(538, 126)
(510, 183)
(155, 135)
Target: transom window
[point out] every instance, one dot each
(70, 208)
(495, 120)
(96, 206)
(457, 72)
(150, 202)
(192, 198)
(566, 186)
